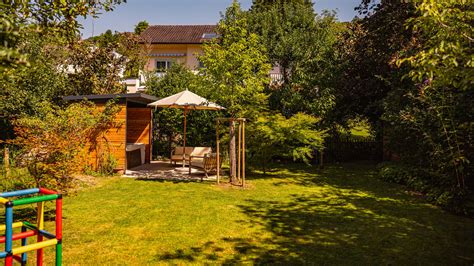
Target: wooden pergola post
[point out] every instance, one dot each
(239, 151)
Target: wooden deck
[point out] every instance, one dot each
(164, 170)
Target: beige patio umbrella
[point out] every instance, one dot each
(186, 100)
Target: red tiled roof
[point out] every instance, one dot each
(176, 33)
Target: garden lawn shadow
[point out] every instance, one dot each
(294, 215)
(352, 218)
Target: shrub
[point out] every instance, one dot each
(52, 140)
(107, 164)
(295, 138)
(437, 189)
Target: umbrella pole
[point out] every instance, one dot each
(184, 139)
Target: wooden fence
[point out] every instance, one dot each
(348, 149)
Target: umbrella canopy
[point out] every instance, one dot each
(188, 101)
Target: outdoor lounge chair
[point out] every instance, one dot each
(177, 154)
(196, 152)
(208, 163)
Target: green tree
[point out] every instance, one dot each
(24, 89)
(135, 55)
(408, 66)
(141, 27)
(177, 79)
(301, 44)
(105, 38)
(367, 51)
(446, 58)
(95, 69)
(440, 107)
(46, 16)
(32, 33)
(237, 68)
(125, 44)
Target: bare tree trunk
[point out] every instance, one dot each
(232, 155)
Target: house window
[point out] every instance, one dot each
(163, 65)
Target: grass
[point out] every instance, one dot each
(294, 215)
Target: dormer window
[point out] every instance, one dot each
(208, 36)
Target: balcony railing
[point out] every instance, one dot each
(276, 78)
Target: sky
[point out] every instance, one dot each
(127, 15)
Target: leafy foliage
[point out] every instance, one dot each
(236, 68)
(90, 74)
(13, 177)
(440, 108)
(177, 79)
(274, 136)
(301, 45)
(141, 26)
(45, 16)
(58, 68)
(236, 65)
(39, 46)
(446, 58)
(52, 141)
(367, 51)
(407, 66)
(125, 45)
(434, 187)
(24, 90)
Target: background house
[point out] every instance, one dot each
(170, 44)
(166, 45)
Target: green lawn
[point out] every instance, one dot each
(295, 215)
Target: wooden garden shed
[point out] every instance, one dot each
(130, 142)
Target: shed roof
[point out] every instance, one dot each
(134, 97)
(178, 34)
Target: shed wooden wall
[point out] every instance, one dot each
(138, 128)
(112, 140)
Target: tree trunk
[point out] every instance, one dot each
(232, 155)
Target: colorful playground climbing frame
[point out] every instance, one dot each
(43, 238)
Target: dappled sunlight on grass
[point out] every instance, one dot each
(295, 214)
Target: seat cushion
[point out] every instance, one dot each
(179, 157)
(197, 160)
(179, 150)
(201, 151)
